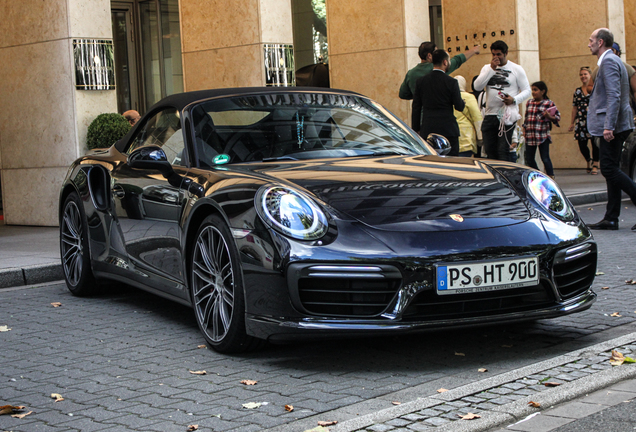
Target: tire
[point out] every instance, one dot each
(74, 249)
(216, 288)
(633, 170)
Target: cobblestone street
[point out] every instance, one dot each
(123, 360)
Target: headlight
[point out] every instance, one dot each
(290, 212)
(546, 192)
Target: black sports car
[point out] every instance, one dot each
(283, 213)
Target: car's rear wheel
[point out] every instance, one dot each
(633, 170)
(74, 248)
(217, 288)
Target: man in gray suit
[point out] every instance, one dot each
(610, 120)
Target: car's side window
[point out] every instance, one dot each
(163, 129)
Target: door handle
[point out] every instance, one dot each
(118, 191)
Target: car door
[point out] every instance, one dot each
(149, 206)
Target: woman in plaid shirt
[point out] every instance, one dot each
(541, 112)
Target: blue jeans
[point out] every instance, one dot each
(544, 152)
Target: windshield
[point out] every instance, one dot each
(297, 126)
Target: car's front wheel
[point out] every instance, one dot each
(74, 248)
(217, 288)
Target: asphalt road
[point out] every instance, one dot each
(122, 360)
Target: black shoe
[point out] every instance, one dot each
(634, 228)
(604, 225)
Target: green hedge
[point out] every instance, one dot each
(106, 130)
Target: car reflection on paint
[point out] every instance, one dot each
(285, 213)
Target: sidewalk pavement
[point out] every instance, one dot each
(31, 255)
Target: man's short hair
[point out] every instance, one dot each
(439, 56)
(499, 46)
(426, 48)
(606, 36)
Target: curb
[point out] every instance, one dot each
(512, 411)
(507, 413)
(29, 275)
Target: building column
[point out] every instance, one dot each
(373, 44)
(44, 118)
(561, 58)
(223, 42)
(629, 49)
(481, 23)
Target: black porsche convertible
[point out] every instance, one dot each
(282, 213)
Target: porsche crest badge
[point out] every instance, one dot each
(457, 218)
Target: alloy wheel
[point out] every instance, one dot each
(213, 283)
(71, 238)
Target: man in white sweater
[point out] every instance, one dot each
(506, 86)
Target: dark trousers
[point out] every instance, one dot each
(586, 151)
(544, 152)
(616, 179)
(454, 142)
(497, 147)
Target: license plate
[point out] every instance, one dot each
(480, 276)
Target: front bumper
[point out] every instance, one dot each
(276, 329)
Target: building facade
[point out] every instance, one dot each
(162, 47)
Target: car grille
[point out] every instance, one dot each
(428, 305)
(347, 291)
(574, 269)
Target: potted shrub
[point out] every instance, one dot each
(106, 130)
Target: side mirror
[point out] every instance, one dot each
(439, 143)
(150, 157)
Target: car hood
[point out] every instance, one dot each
(414, 193)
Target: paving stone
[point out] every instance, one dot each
(514, 386)
(437, 421)
(380, 428)
(398, 422)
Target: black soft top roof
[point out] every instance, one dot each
(181, 100)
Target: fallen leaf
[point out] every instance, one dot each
(249, 382)
(630, 281)
(252, 405)
(599, 273)
(216, 415)
(198, 372)
(605, 288)
(289, 408)
(56, 304)
(21, 416)
(192, 427)
(202, 346)
(460, 354)
(551, 384)
(482, 370)
(442, 390)
(506, 346)
(396, 403)
(58, 397)
(590, 208)
(534, 404)
(8, 409)
(618, 359)
(318, 429)
(616, 314)
(327, 423)
(469, 416)
(4, 328)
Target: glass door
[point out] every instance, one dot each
(161, 49)
(147, 42)
(128, 96)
